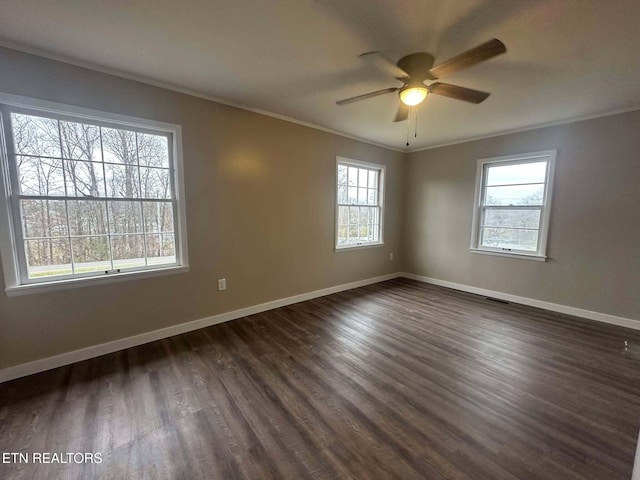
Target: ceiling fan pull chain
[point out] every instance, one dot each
(409, 124)
(415, 134)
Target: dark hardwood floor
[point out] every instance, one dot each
(394, 380)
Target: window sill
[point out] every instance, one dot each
(522, 256)
(358, 247)
(55, 285)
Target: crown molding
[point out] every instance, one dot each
(176, 88)
(538, 126)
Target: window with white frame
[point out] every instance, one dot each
(88, 196)
(359, 203)
(513, 199)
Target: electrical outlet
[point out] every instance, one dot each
(222, 284)
(391, 256)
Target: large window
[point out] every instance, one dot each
(513, 199)
(88, 197)
(359, 205)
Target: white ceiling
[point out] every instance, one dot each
(566, 58)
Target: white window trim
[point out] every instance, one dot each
(8, 250)
(381, 192)
(540, 255)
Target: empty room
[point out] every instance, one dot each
(323, 239)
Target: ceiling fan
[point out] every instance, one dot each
(414, 69)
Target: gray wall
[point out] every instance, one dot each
(594, 233)
(260, 212)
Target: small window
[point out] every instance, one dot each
(513, 199)
(359, 204)
(88, 197)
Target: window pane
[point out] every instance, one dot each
(84, 179)
(352, 195)
(362, 196)
(353, 176)
(80, 141)
(364, 216)
(342, 194)
(128, 251)
(515, 195)
(372, 196)
(161, 249)
(358, 225)
(496, 217)
(125, 217)
(155, 182)
(534, 172)
(122, 181)
(509, 238)
(352, 234)
(343, 215)
(342, 175)
(87, 217)
(91, 254)
(153, 150)
(40, 176)
(354, 214)
(158, 217)
(363, 233)
(362, 177)
(43, 218)
(342, 234)
(119, 146)
(373, 179)
(36, 136)
(48, 257)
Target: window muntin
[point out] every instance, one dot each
(88, 198)
(512, 204)
(359, 204)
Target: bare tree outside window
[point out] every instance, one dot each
(92, 198)
(358, 204)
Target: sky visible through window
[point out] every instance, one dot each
(513, 196)
(91, 198)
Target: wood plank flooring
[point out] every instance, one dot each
(394, 380)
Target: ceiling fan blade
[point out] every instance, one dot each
(459, 93)
(402, 114)
(367, 95)
(476, 55)
(381, 61)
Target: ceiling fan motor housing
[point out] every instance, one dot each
(417, 65)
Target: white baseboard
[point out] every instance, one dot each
(554, 307)
(55, 361)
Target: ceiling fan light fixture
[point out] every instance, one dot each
(413, 95)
